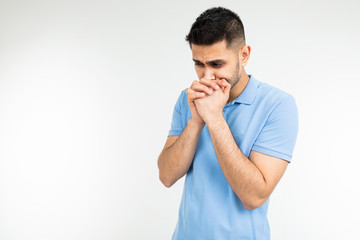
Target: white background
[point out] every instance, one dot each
(87, 90)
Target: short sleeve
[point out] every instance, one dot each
(278, 136)
(177, 118)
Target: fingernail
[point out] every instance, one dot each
(210, 91)
(217, 86)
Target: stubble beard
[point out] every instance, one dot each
(236, 76)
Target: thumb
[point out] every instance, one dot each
(227, 87)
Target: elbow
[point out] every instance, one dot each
(167, 184)
(254, 203)
(248, 206)
(166, 176)
(253, 200)
(165, 181)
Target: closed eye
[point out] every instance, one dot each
(216, 64)
(198, 63)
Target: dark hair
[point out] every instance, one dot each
(214, 25)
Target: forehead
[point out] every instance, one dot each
(217, 50)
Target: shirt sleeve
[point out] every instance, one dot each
(278, 136)
(177, 125)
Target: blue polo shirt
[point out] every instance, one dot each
(262, 118)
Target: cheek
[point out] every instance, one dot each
(224, 72)
(199, 72)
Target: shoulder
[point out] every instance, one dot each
(180, 115)
(271, 97)
(182, 102)
(279, 128)
(182, 99)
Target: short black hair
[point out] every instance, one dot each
(215, 25)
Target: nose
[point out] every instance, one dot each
(209, 74)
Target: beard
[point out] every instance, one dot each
(236, 75)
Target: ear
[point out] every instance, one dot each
(244, 55)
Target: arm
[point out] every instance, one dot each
(176, 157)
(178, 153)
(253, 179)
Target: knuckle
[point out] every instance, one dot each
(204, 80)
(195, 84)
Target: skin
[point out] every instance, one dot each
(222, 77)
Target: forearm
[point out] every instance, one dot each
(175, 161)
(242, 175)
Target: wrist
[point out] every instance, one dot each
(215, 120)
(198, 125)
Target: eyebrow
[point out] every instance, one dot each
(209, 62)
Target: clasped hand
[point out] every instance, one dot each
(207, 99)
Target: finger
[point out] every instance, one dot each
(201, 88)
(223, 82)
(194, 82)
(209, 83)
(218, 82)
(192, 95)
(226, 83)
(227, 86)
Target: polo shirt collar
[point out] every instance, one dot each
(247, 96)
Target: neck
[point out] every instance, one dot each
(240, 86)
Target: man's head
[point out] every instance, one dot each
(215, 25)
(217, 41)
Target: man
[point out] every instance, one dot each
(232, 135)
